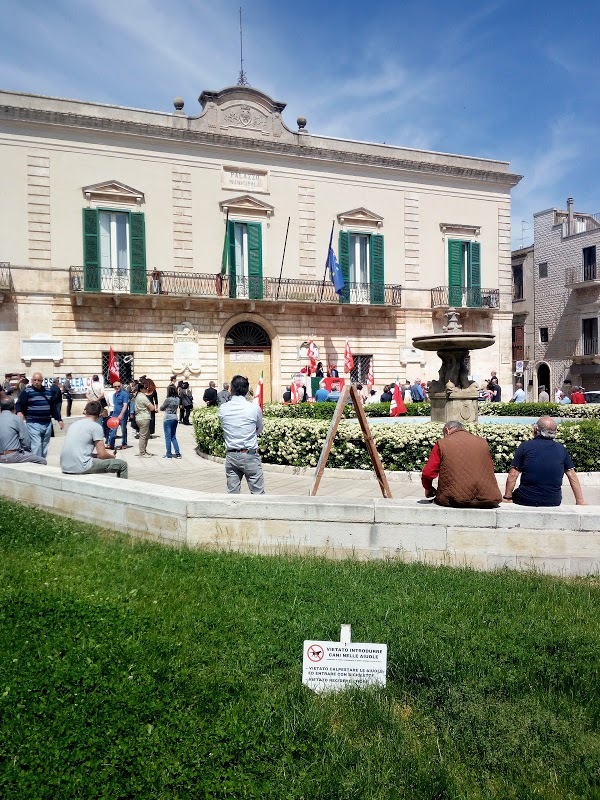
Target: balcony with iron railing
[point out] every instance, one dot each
(581, 350)
(459, 297)
(5, 277)
(222, 287)
(582, 276)
(580, 223)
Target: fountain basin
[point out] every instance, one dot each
(454, 341)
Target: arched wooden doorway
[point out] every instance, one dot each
(248, 352)
(543, 379)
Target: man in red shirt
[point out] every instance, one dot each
(577, 396)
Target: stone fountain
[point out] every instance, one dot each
(453, 396)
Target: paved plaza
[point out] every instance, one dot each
(207, 476)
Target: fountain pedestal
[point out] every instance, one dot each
(453, 396)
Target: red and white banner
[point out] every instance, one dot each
(259, 393)
(371, 375)
(397, 407)
(113, 369)
(348, 358)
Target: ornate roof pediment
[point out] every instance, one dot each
(246, 204)
(242, 111)
(360, 216)
(113, 191)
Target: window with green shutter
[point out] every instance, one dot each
(245, 260)
(137, 250)
(344, 262)
(376, 271)
(114, 251)
(464, 273)
(91, 251)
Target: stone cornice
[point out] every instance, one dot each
(130, 128)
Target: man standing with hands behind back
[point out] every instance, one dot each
(242, 423)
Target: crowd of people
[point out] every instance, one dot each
(461, 462)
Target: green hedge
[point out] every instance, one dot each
(298, 442)
(539, 410)
(325, 410)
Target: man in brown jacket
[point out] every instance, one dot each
(463, 465)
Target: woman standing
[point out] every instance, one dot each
(179, 395)
(143, 409)
(170, 406)
(187, 402)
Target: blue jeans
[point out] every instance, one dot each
(40, 437)
(112, 432)
(170, 427)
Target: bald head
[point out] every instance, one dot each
(545, 427)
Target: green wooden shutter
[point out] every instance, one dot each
(232, 275)
(376, 273)
(255, 276)
(344, 262)
(137, 250)
(474, 274)
(91, 251)
(455, 288)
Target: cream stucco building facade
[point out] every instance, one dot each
(113, 224)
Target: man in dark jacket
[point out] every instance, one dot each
(38, 405)
(210, 395)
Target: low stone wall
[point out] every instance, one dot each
(560, 541)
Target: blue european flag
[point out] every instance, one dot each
(335, 273)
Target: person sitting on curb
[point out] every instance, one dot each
(15, 441)
(541, 462)
(77, 456)
(463, 465)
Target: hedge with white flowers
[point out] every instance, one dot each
(298, 442)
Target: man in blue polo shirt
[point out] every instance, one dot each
(120, 403)
(38, 405)
(541, 462)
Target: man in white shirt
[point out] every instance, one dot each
(242, 424)
(519, 396)
(543, 396)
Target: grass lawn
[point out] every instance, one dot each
(130, 670)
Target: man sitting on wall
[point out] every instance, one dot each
(463, 465)
(541, 462)
(15, 441)
(78, 458)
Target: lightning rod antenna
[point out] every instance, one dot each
(242, 79)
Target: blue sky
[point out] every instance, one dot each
(515, 80)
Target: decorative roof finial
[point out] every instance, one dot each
(242, 80)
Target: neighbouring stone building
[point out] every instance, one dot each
(113, 224)
(566, 300)
(523, 337)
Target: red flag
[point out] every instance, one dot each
(113, 369)
(397, 406)
(371, 375)
(348, 358)
(258, 394)
(294, 392)
(311, 352)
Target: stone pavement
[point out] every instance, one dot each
(204, 475)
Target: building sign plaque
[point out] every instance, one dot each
(245, 179)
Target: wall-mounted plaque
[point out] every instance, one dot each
(248, 180)
(41, 347)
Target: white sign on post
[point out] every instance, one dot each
(327, 666)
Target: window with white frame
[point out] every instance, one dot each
(114, 240)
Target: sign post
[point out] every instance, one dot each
(330, 666)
